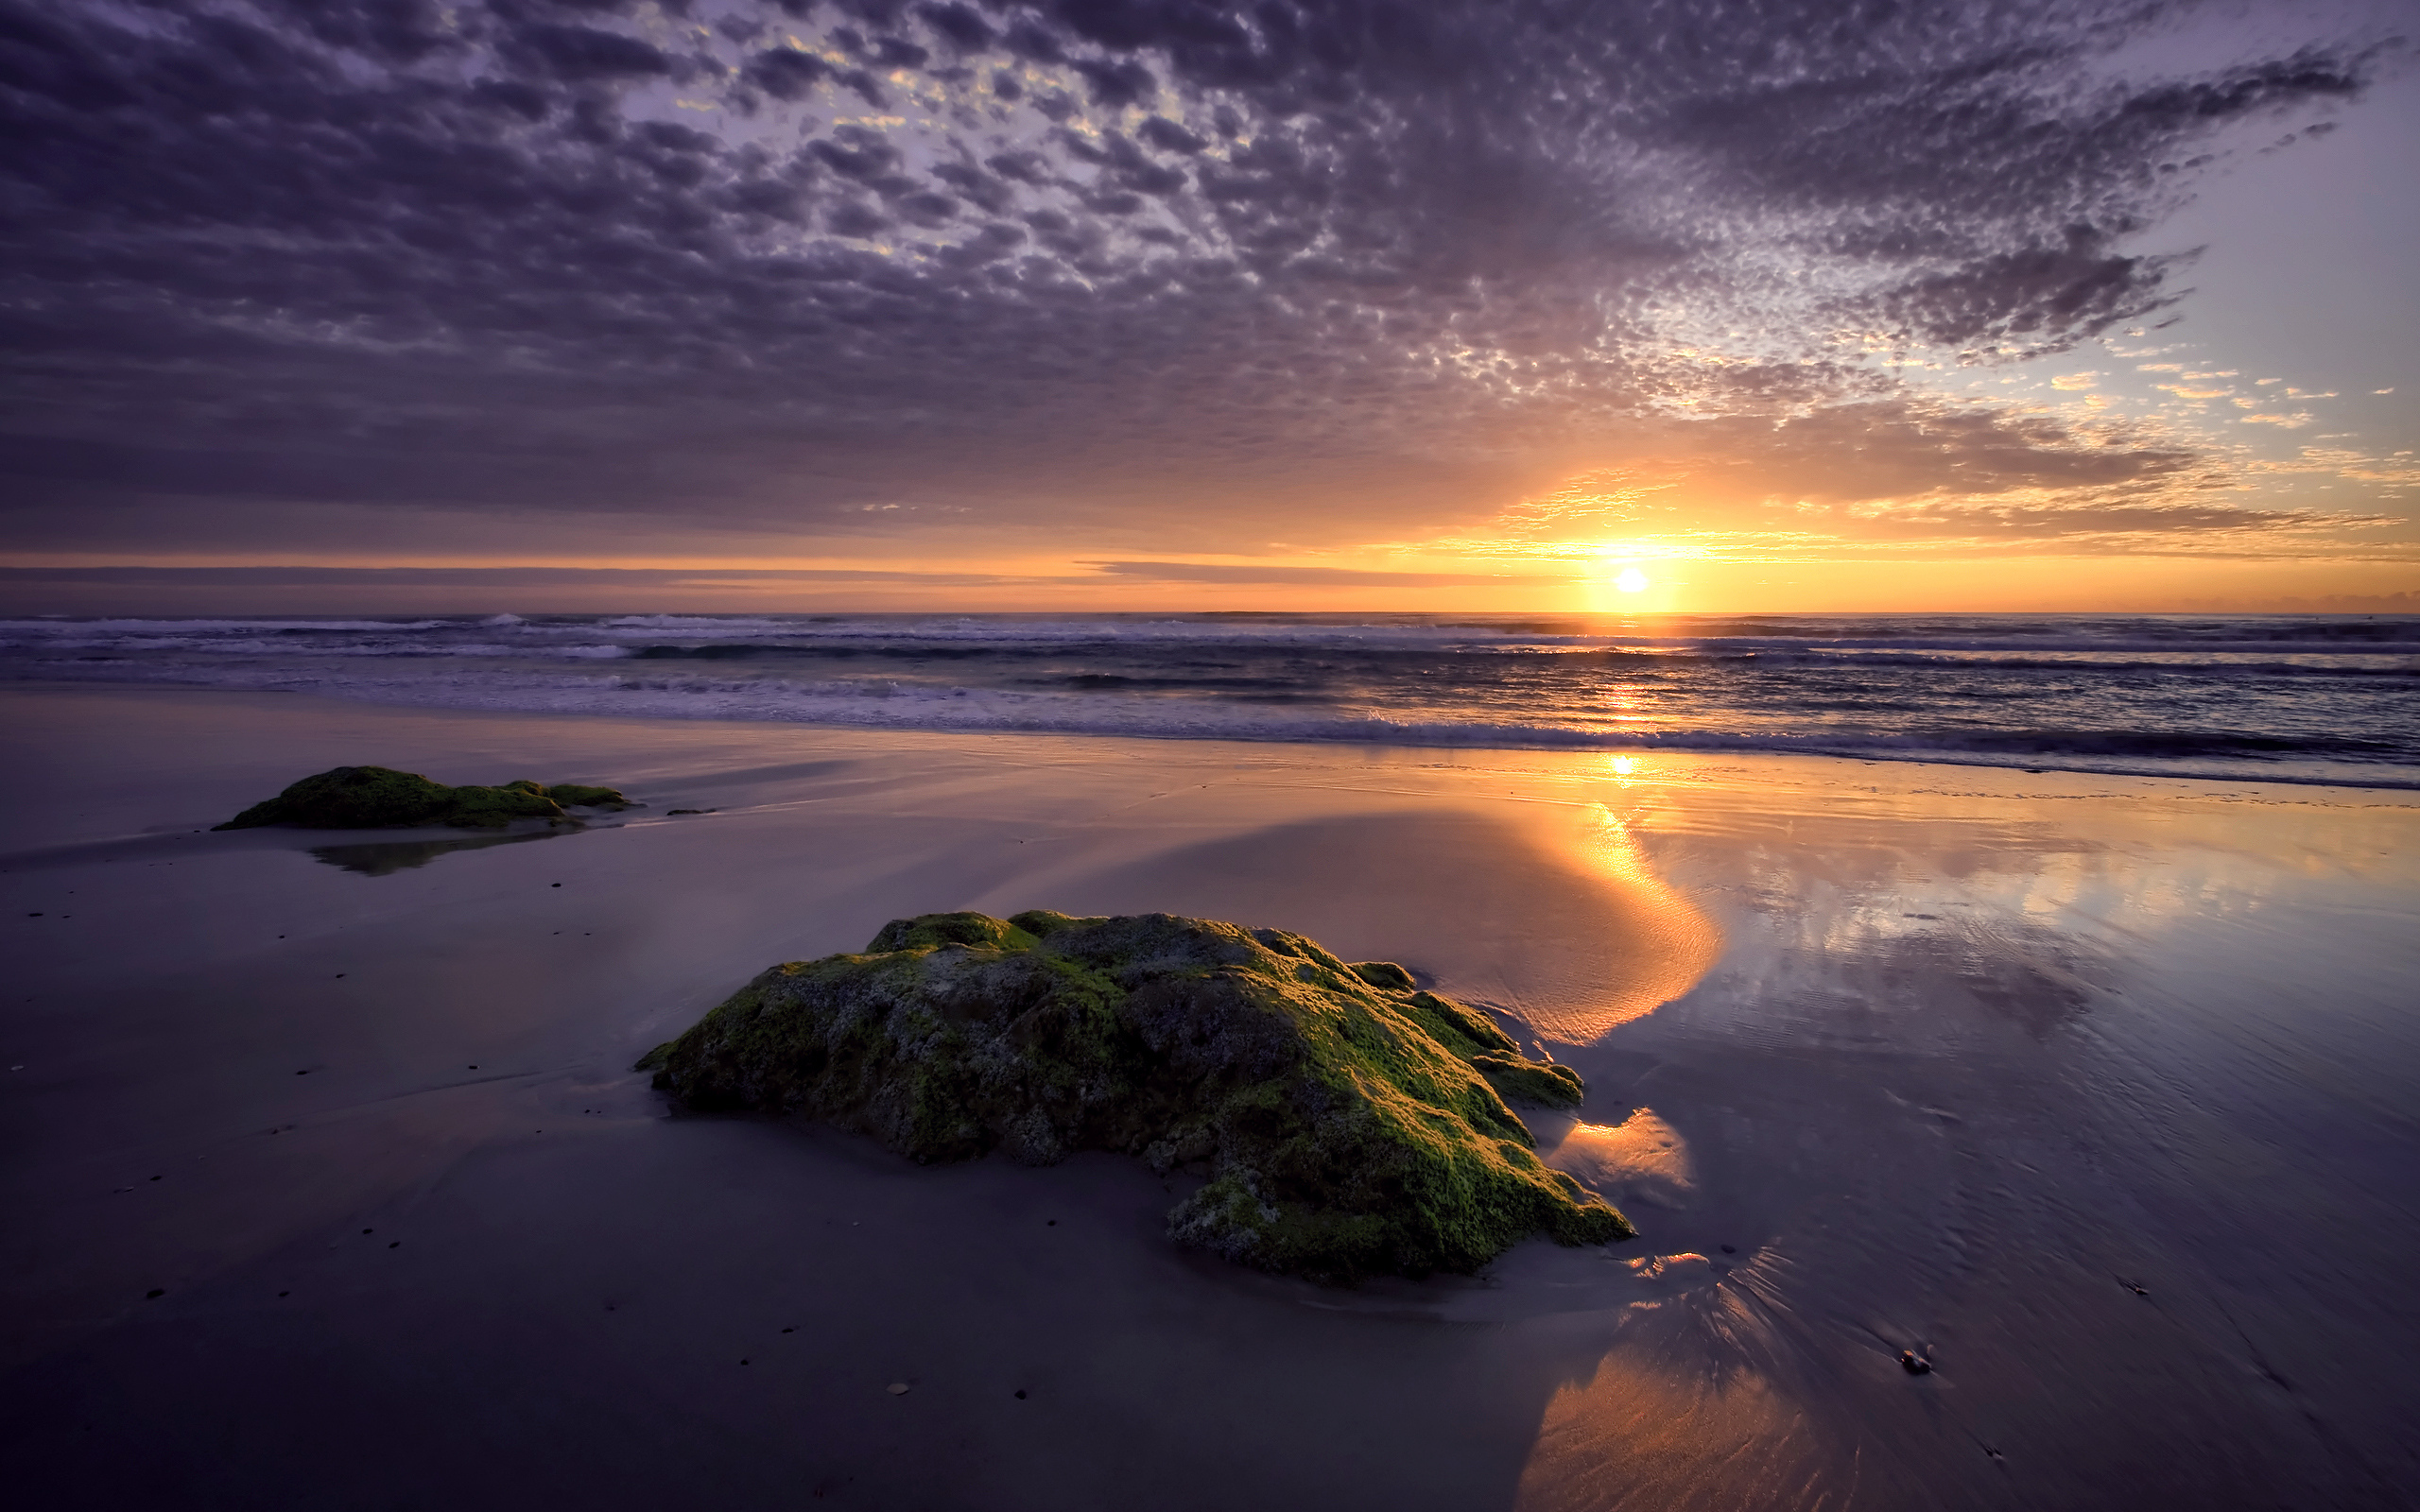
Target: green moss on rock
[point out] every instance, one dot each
(380, 798)
(1350, 1124)
(1386, 974)
(949, 929)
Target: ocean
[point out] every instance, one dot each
(2310, 698)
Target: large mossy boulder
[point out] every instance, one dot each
(1349, 1122)
(380, 798)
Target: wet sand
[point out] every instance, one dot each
(2093, 1091)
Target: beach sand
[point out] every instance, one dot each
(2094, 1091)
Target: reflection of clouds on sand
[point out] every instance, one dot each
(1692, 1404)
(1998, 1066)
(1978, 922)
(1640, 1159)
(1687, 1268)
(1677, 1442)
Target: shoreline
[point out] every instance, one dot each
(2298, 700)
(1676, 747)
(1935, 1051)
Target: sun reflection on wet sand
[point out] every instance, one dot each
(1670, 941)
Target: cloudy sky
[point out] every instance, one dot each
(1144, 303)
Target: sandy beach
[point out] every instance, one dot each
(2094, 1091)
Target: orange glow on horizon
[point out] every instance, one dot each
(971, 578)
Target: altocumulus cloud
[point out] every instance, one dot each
(1170, 268)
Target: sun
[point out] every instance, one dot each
(1630, 580)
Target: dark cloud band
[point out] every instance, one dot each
(791, 260)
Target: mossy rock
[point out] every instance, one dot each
(380, 798)
(1350, 1124)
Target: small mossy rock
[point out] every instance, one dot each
(380, 798)
(1349, 1127)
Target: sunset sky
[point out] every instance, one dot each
(1133, 304)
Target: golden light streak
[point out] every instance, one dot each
(1673, 944)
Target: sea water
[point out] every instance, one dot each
(2313, 699)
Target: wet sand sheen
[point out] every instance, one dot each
(2091, 1089)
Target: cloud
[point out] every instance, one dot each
(282, 575)
(1900, 478)
(1152, 266)
(1175, 572)
(289, 576)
